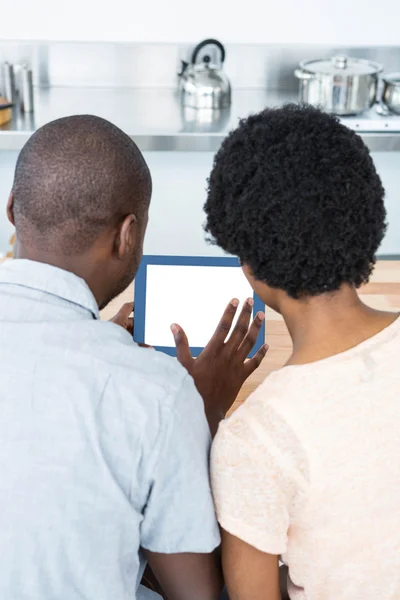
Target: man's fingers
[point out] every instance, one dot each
(242, 325)
(253, 364)
(224, 327)
(125, 311)
(182, 346)
(123, 314)
(129, 325)
(123, 317)
(251, 336)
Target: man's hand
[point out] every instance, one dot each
(124, 317)
(221, 369)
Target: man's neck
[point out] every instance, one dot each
(82, 266)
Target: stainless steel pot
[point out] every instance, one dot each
(391, 92)
(341, 85)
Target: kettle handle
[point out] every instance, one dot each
(207, 43)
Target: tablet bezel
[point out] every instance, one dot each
(195, 261)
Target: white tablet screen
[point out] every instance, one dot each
(192, 296)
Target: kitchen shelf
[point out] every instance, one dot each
(157, 122)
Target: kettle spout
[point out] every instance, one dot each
(184, 66)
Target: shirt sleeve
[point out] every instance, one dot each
(180, 515)
(254, 488)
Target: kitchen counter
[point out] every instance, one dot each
(156, 121)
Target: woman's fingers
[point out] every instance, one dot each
(251, 336)
(224, 326)
(253, 363)
(242, 325)
(183, 353)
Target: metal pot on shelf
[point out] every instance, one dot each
(203, 83)
(340, 85)
(391, 92)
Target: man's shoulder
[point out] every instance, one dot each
(141, 370)
(149, 391)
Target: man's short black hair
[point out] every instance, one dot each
(74, 177)
(295, 195)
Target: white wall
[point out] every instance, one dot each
(179, 192)
(333, 22)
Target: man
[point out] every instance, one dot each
(103, 445)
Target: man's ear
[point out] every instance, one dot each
(127, 236)
(10, 209)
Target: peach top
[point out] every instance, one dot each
(309, 468)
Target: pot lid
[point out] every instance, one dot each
(341, 65)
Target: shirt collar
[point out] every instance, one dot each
(51, 280)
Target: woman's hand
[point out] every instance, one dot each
(221, 369)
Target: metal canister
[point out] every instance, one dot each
(26, 89)
(9, 82)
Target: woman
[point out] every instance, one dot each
(309, 467)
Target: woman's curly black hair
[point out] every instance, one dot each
(295, 195)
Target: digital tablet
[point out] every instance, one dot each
(191, 291)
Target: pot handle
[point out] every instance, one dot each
(207, 43)
(382, 109)
(300, 74)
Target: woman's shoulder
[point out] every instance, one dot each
(270, 410)
(265, 428)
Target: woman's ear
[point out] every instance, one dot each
(248, 273)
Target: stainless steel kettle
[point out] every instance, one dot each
(203, 84)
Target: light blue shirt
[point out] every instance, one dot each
(103, 446)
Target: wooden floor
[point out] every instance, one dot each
(383, 292)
